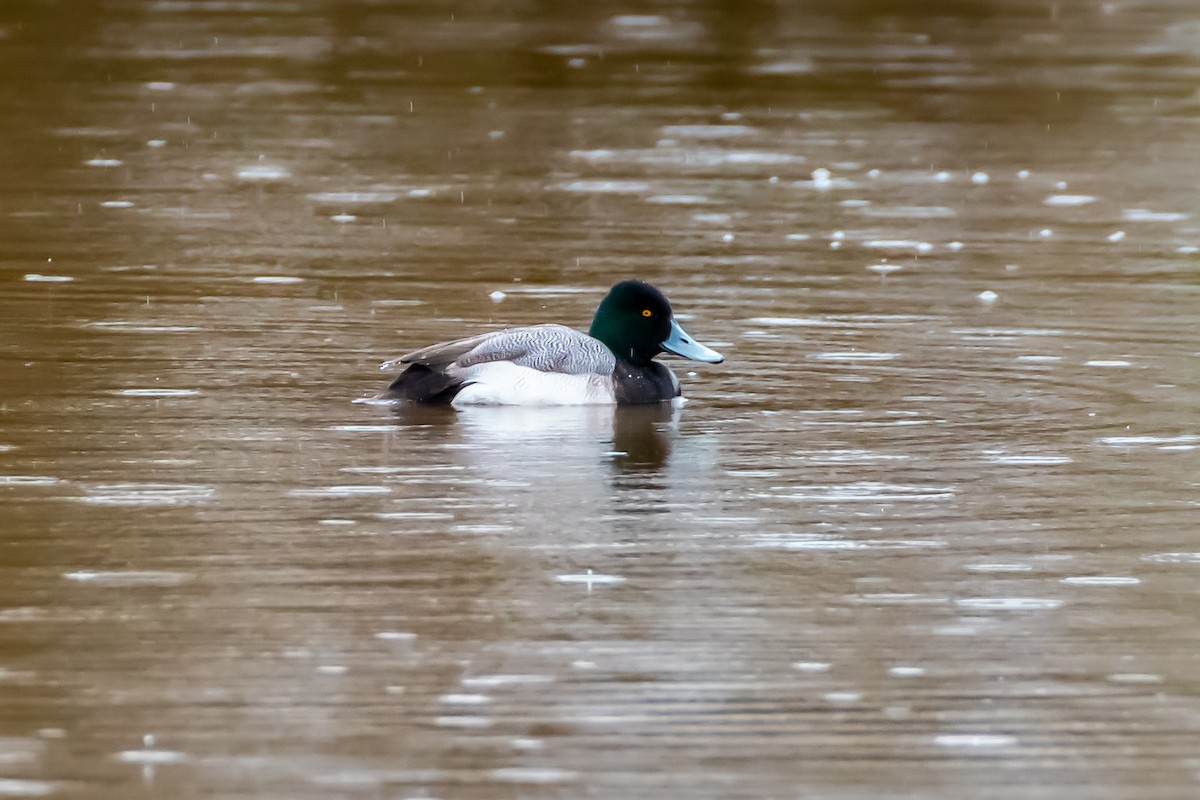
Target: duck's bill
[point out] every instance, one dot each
(683, 345)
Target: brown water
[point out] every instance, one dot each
(911, 540)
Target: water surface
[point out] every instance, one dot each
(929, 531)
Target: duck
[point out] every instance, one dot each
(554, 365)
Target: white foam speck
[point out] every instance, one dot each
(146, 494)
(1016, 460)
(1045, 233)
(1023, 175)
(28, 480)
(1116, 236)
(843, 697)
(906, 672)
(1173, 558)
(811, 666)
(942, 177)
(156, 143)
(1101, 580)
(706, 131)
(987, 297)
(533, 775)
(884, 269)
(1069, 200)
(999, 567)
(1009, 603)
(494, 681)
(34, 277)
(117, 204)
(20, 787)
(854, 356)
(1146, 215)
(1135, 441)
(278, 279)
(606, 187)
(590, 579)
(129, 577)
(344, 218)
(395, 636)
(980, 178)
(160, 86)
(1034, 359)
(1109, 362)
(340, 491)
(464, 699)
(152, 757)
(1135, 677)
(463, 721)
(157, 393)
(263, 173)
(105, 162)
(974, 740)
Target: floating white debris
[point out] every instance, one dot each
(340, 491)
(1023, 175)
(20, 787)
(333, 669)
(728, 237)
(811, 666)
(34, 277)
(1009, 603)
(105, 162)
(1187, 249)
(591, 579)
(1034, 359)
(1135, 677)
(1116, 236)
(998, 567)
(494, 681)
(843, 697)
(954, 245)
(117, 204)
(822, 179)
(798, 237)
(395, 636)
(156, 143)
(129, 577)
(1108, 362)
(1146, 215)
(1173, 558)
(263, 173)
(533, 775)
(1068, 200)
(146, 494)
(855, 356)
(987, 297)
(980, 178)
(906, 672)
(1101, 580)
(150, 757)
(974, 740)
(1045, 233)
(157, 393)
(706, 131)
(497, 296)
(353, 198)
(606, 187)
(160, 86)
(1135, 441)
(464, 699)
(344, 218)
(884, 269)
(278, 279)
(1029, 460)
(27, 480)
(942, 177)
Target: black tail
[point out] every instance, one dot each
(420, 384)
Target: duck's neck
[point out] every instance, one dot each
(620, 345)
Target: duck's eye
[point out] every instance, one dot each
(647, 312)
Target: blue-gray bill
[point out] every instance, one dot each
(683, 345)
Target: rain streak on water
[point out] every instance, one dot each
(929, 532)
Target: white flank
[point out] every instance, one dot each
(502, 383)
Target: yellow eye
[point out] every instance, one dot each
(647, 312)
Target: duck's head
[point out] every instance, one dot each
(636, 323)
